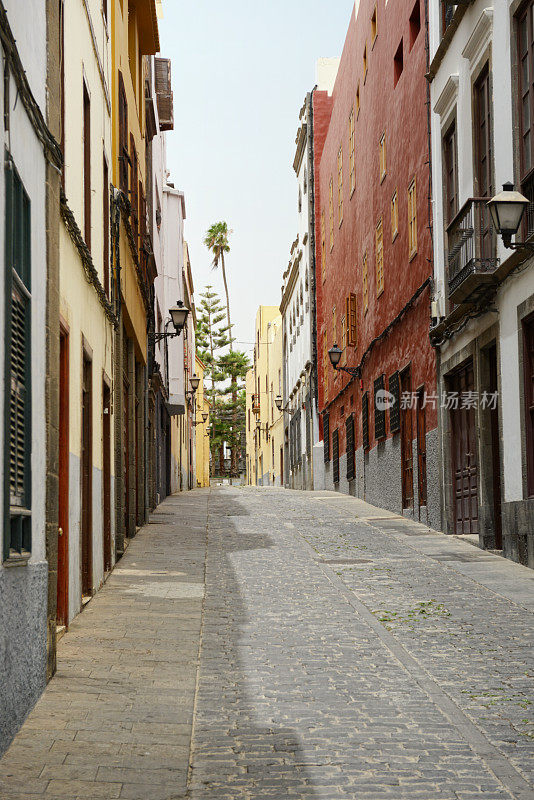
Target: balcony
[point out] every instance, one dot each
(255, 404)
(472, 252)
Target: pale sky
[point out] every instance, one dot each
(240, 72)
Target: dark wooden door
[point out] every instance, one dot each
(87, 478)
(136, 424)
(421, 449)
(406, 441)
(464, 455)
(106, 472)
(282, 466)
(495, 449)
(126, 453)
(528, 360)
(62, 614)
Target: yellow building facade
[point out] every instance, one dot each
(202, 427)
(134, 35)
(265, 447)
(86, 546)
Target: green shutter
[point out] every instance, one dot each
(17, 391)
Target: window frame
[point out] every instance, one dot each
(17, 536)
(382, 157)
(412, 218)
(379, 257)
(340, 186)
(352, 152)
(394, 215)
(352, 320)
(450, 170)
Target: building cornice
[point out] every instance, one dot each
(290, 285)
(480, 37)
(443, 46)
(448, 96)
(300, 141)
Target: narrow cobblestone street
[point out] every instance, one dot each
(344, 653)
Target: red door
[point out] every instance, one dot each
(464, 455)
(406, 441)
(62, 614)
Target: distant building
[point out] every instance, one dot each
(265, 447)
(374, 265)
(300, 391)
(482, 114)
(201, 420)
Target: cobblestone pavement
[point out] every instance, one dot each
(344, 653)
(349, 657)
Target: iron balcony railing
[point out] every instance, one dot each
(255, 404)
(472, 251)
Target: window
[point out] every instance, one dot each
(134, 199)
(344, 338)
(398, 64)
(374, 29)
(340, 186)
(325, 367)
(326, 436)
(483, 135)
(352, 153)
(450, 164)
(365, 62)
(379, 259)
(365, 282)
(525, 50)
(382, 156)
(331, 212)
(394, 216)
(415, 23)
(334, 325)
(380, 411)
(335, 456)
(323, 246)
(124, 158)
(86, 166)
(352, 322)
(105, 215)
(394, 409)
(528, 342)
(365, 421)
(358, 101)
(412, 219)
(349, 436)
(17, 384)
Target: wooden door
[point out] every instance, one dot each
(528, 364)
(106, 472)
(62, 614)
(282, 466)
(406, 441)
(87, 478)
(421, 449)
(136, 445)
(126, 454)
(495, 449)
(464, 455)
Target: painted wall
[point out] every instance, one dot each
(384, 107)
(23, 589)
(80, 308)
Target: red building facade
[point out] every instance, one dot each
(374, 264)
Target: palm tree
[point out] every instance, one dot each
(216, 240)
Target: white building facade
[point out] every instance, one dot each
(301, 424)
(23, 567)
(482, 122)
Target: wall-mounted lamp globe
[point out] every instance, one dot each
(507, 209)
(179, 314)
(278, 401)
(195, 382)
(335, 354)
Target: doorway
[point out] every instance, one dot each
(106, 471)
(126, 455)
(62, 613)
(406, 441)
(495, 448)
(421, 449)
(464, 454)
(87, 478)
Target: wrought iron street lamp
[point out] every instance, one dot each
(507, 209)
(201, 421)
(278, 402)
(335, 354)
(195, 382)
(178, 317)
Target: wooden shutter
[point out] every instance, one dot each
(335, 456)
(124, 158)
(87, 196)
(483, 135)
(17, 386)
(450, 153)
(394, 409)
(380, 413)
(365, 421)
(326, 437)
(134, 196)
(349, 430)
(352, 320)
(164, 98)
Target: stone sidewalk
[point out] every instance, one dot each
(263, 644)
(116, 719)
